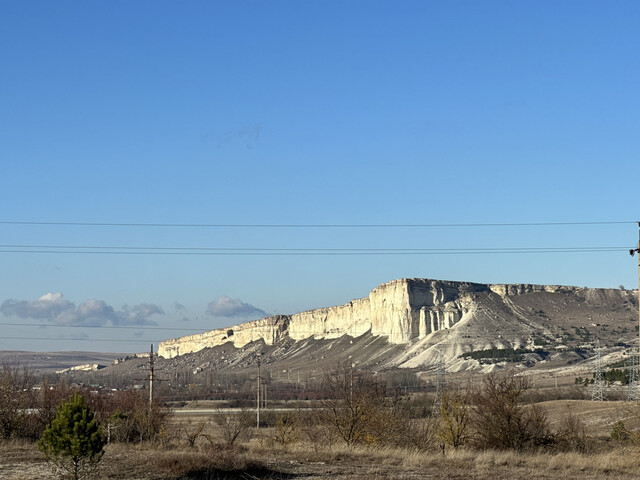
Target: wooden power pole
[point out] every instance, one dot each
(632, 252)
(151, 377)
(258, 397)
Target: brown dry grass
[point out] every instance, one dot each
(261, 461)
(263, 458)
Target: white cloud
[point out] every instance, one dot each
(47, 307)
(56, 309)
(138, 314)
(225, 306)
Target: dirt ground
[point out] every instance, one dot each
(260, 458)
(24, 462)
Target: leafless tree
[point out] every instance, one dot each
(234, 426)
(454, 419)
(356, 406)
(502, 420)
(285, 431)
(17, 401)
(134, 420)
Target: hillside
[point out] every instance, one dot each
(433, 318)
(411, 325)
(51, 362)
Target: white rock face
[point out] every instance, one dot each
(402, 311)
(89, 367)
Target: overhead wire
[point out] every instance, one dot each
(73, 339)
(310, 225)
(266, 251)
(234, 251)
(130, 327)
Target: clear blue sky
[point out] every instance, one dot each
(300, 112)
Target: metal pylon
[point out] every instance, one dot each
(441, 386)
(633, 395)
(599, 386)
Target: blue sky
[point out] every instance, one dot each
(293, 112)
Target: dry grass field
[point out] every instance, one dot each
(263, 458)
(124, 462)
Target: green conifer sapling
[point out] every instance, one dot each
(73, 441)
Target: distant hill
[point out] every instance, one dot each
(404, 328)
(50, 362)
(412, 325)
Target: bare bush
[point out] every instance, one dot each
(500, 418)
(135, 420)
(286, 429)
(316, 430)
(192, 432)
(572, 435)
(454, 416)
(234, 426)
(17, 401)
(354, 405)
(50, 397)
(420, 434)
(358, 410)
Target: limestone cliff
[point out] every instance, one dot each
(401, 311)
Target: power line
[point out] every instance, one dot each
(266, 252)
(141, 327)
(312, 225)
(308, 249)
(80, 339)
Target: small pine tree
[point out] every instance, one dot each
(73, 441)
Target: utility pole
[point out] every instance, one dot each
(632, 386)
(258, 396)
(151, 377)
(632, 252)
(599, 393)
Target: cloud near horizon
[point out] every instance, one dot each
(225, 306)
(177, 306)
(53, 308)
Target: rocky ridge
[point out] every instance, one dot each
(416, 313)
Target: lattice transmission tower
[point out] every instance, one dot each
(599, 385)
(441, 386)
(632, 387)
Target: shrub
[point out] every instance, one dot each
(234, 426)
(73, 441)
(134, 419)
(500, 418)
(354, 405)
(192, 432)
(454, 419)
(316, 430)
(619, 432)
(16, 399)
(285, 431)
(572, 436)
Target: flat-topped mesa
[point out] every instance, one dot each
(401, 310)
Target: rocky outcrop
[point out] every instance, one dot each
(400, 311)
(524, 288)
(89, 367)
(270, 329)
